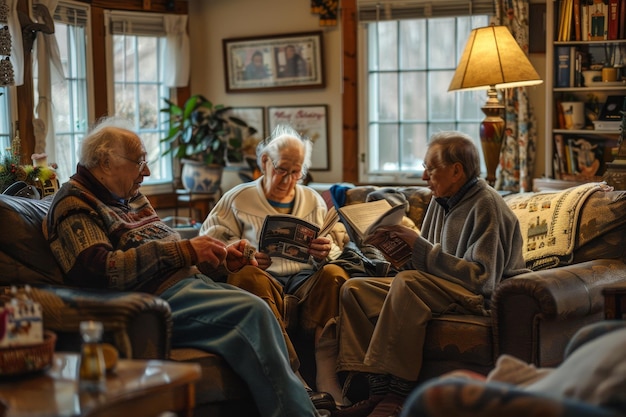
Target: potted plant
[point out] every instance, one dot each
(205, 138)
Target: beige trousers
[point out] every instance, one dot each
(382, 321)
(318, 298)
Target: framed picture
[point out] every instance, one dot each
(309, 121)
(277, 62)
(254, 117)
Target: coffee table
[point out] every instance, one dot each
(136, 388)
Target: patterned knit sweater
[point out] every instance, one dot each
(102, 242)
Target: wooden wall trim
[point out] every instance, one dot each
(350, 108)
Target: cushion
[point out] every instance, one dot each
(25, 256)
(594, 373)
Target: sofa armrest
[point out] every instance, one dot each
(139, 325)
(551, 304)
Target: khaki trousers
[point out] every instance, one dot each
(317, 298)
(382, 321)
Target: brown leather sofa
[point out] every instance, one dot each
(534, 315)
(138, 324)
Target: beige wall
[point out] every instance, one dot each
(212, 20)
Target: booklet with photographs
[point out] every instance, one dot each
(362, 220)
(289, 237)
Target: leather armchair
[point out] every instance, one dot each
(139, 325)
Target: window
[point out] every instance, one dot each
(6, 130)
(70, 95)
(136, 48)
(408, 62)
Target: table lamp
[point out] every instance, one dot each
(492, 59)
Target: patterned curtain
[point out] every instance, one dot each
(519, 148)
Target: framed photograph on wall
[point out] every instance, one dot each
(254, 117)
(310, 121)
(276, 62)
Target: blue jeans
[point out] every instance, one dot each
(240, 327)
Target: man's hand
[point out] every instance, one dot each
(397, 230)
(209, 250)
(240, 254)
(320, 248)
(263, 260)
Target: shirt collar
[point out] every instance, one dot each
(448, 202)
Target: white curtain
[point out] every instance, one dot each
(17, 48)
(176, 54)
(49, 71)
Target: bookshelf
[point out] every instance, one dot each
(574, 64)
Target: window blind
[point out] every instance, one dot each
(129, 23)
(71, 14)
(376, 10)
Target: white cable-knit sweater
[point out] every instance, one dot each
(240, 212)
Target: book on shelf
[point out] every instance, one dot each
(565, 19)
(362, 220)
(563, 67)
(577, 22)
(613, 22)
(559, 145)
(612, 108)
(621, 26)
(287, 236)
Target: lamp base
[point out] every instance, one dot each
(491, 135)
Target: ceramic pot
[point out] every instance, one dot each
(198, 177)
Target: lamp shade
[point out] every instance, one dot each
(493, 59)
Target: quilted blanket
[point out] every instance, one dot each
(549, 223)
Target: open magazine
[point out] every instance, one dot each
(289, 237)
(361, 221)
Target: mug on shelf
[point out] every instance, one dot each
(609, 74)
(574, 112)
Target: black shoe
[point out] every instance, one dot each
(322, 400)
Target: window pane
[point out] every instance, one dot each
(414, 140)
(441, 102)
(147, 54)
(414, 96)
(413, 43)
(385, 152)
(387, 45)
(442, 42)
(6, 130)
(388, 92)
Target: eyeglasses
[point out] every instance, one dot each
(141, 164)
(282, 172)
(430, 171)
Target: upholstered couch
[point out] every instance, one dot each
(138, 324)
(534, 315)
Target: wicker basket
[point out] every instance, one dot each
(19, 360)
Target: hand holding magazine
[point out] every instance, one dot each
(289, 237)
(363, 219)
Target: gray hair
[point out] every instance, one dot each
(284, 136)
(110, 134)
(455, 147)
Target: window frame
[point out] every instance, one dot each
(143, 26)
(364, 174)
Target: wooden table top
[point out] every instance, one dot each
(55, 393)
